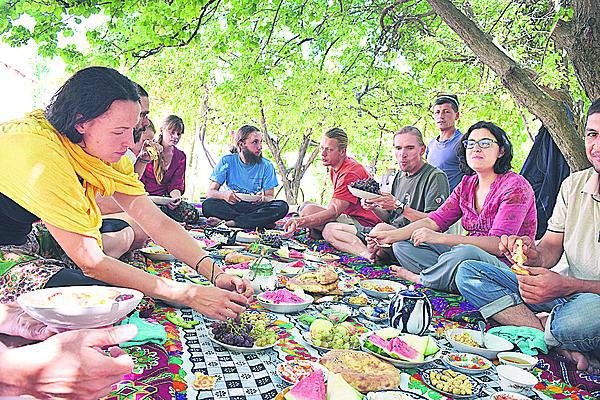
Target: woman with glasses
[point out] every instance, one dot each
(165, 172)
(490, 201)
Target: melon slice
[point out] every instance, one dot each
(432, 347)
(405, 351)
(310, 388)
(339, 389)
(388, 333)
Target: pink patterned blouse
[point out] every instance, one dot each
(508, 209)
(174, 176)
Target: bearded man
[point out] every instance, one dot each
(244, 172)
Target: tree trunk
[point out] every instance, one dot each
(553, 113)
(291, 178)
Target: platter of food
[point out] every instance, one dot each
(451, 383)
(375, 314)
(367, 189)
(284, 301)
(394, 395)
(246, 237)
(466, 363)
(401, 349)
(357, 301)
(463, 340)
(322, 281)
(381, 288)
(157, 253)
(79, 307)
(242, 336)
(294, 371)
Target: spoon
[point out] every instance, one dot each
(482, 329)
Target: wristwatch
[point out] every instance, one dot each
(399, 206)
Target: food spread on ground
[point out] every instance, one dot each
(378, 288)
(243, 332)
(358, 300)
(295, 370)
(392, 343)
(237, 258)
(361, 370)
(322, 281)
(326, 334)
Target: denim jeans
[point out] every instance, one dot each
(436, 264)
(574, 322)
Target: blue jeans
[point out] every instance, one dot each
(436, 264)
(574, 322)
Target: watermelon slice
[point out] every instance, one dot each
(400, 348)
(310, 388)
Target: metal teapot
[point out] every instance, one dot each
(410, 311)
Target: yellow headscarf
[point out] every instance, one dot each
(54, 179)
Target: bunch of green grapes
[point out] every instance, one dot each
(263, 336)
(254, 317)
(337, 337)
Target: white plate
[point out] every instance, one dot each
(364, 312)
(160, 200)
(151, 253)
(238, 349)
(248, 197)
(400, 363)
(381, 282)
(476, 386)
(510, 395)
(495, 344)
(466, 363)
(285, 307)
(101, 309)
(362, 194)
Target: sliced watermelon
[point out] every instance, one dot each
(310, 388)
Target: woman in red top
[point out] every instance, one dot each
(165, 175)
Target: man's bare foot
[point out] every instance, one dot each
(583, 361)
(405, 274)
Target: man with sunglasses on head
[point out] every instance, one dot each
(441, 151)
(573, 300)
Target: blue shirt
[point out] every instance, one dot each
(244, 178)
(442, 154)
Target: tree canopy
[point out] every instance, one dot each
(369, 67)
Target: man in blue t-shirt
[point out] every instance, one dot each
(441, 151)
(251, 183)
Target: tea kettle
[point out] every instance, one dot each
(410, 311)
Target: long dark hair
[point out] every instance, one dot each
(502, 164)
(240, 136)
(86, 95)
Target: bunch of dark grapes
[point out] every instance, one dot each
(368, 185)
(233, 332)
(270, 239)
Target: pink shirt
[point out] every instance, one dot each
(508, 209)
(174, 177)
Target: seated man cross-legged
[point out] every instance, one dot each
(344, 207)
(418, 188)
(573, 301)
(245, 171)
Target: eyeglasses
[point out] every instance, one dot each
(484, 143)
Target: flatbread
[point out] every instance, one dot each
(520, 258)
(363, 371)
(323, 281)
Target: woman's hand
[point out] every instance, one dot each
(215, 302)
(235, 284)
(426, 235)
(69, 365)
(15, 322)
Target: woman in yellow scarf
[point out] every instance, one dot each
(55, 162)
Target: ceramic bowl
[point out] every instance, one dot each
(508, 396)
(495, 344)
(157, 253)
(466, 363)
(514, 379)
(370, 287)
(516, 359)
(80, 307)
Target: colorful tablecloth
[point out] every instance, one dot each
(167, 372)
